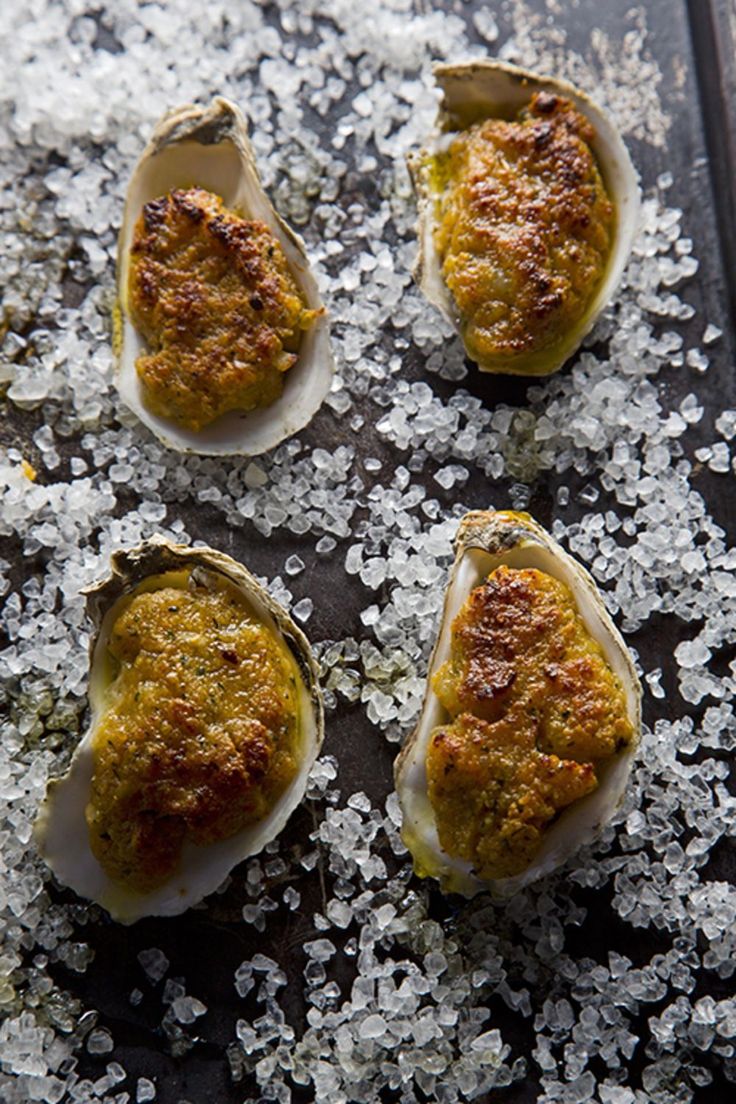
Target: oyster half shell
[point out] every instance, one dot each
(485, 540)
(61, 828)
(484, 89)
(209, 148)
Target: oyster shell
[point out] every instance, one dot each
(484, 89)
(61, 827)
(485, 540)
(209, 147)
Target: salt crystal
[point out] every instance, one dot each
(321, 950)
(291, 898)
(187, 1009)
(339, 913)
(653, 682)
(486, 25)
(726, 424)
(445, 477)
(255, 475)
(99, 1041)
(362, 105)
(697, 360)
(325, 545)
(154, 962)
(720, 460)
(303, 609)
(605, 425)
(373, 1027)
(692, 653)
(115, 1073)
(691, 411)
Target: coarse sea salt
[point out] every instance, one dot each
(398, 1003)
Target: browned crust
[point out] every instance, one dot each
(213, 297)
(534, 711)
(524, 229)
(200, 736)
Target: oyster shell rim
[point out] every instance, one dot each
(306, 385)
(616, 166)
(128, 568)
(493, 534)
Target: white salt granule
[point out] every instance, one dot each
(486, 25)
(697, 359)
(720, 458)
(321, 950)
(712, 334)
(187, 1009)
(154, 962)
(294, 565)
(291, 898)
(726, 424)
(373, 1027)
(603, 432)
(100, 1041)
(653, 682)
(692, 653)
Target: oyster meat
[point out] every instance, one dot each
(208, 271)
(528, 206)
(531, 718)
(206, 718)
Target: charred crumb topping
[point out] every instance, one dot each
(524, 227)
(213, 297)
(534, 712)
(201, 736)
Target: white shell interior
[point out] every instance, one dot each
(224, 167)
(497, 90)
(62, 828)
(580, 822)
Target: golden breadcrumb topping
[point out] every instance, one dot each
(534, 711)
(524, 228)
(201, 734)
(213, 297)
(494, 792)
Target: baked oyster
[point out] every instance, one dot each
(206, 720)
(222, 340)
(531, 717)
(528, 206)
